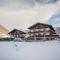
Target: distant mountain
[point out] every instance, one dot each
(47, 1)
(3, 32)
(57, 29)
(55, 19)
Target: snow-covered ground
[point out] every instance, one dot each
(48, 50)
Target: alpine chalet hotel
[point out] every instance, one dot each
(41, 31)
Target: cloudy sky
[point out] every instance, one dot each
(21, 14)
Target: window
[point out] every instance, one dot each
(41, 29)
(37, 29)
(47, 29)
(31, 34)
(42, 33)
(36, 33)
(47, 33)
(31, 30)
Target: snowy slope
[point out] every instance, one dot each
(49, 50)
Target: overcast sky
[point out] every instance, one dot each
(21, 14)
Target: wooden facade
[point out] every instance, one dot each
(38, 31)
(17, 33)
(42, 30)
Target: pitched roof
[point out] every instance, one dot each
(41, 24)
(15, 30)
